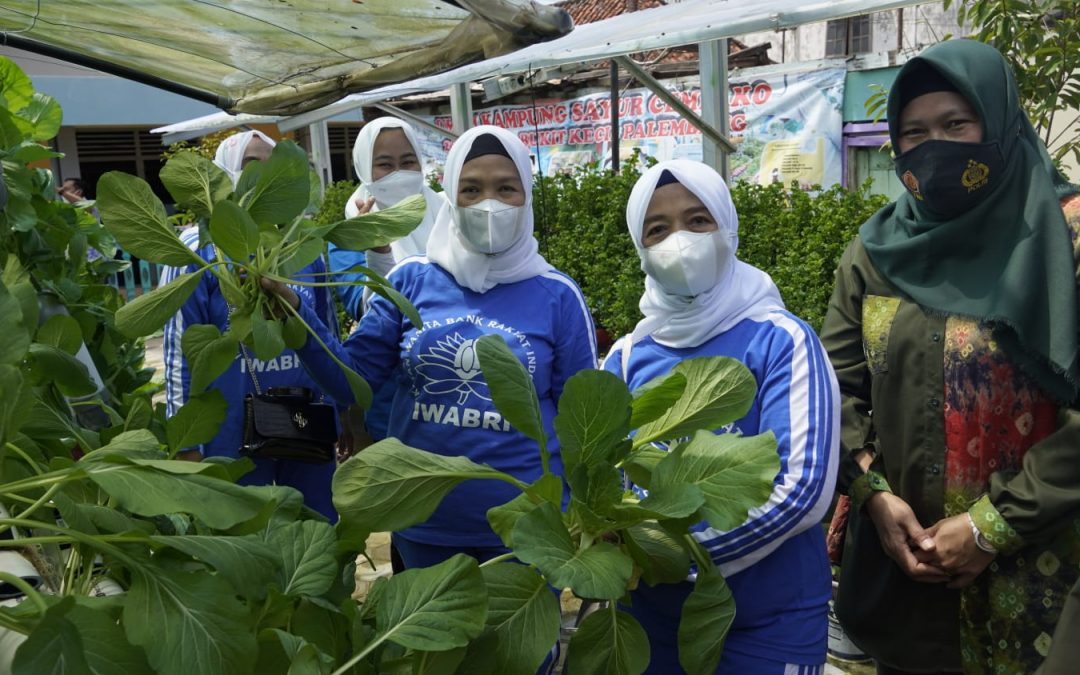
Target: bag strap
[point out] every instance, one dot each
(250, 368)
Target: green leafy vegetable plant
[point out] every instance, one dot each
(602, 544)
(259, 229)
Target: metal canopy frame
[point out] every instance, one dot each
(702, 22)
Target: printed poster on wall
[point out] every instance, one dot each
(786, 126)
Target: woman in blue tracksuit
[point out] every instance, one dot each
(482, 276)
(701, 301)
(247, 374)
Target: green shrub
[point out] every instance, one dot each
(798, 237)
(332, 208)
(581, 224)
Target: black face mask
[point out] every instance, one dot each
(949, 178)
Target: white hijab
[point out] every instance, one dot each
(744, 292)
(415, 243)
(476, 271)
(230, 154)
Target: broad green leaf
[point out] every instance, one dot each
(307, 551)
(640, 464)
(276, 190)
(511, 387)
(719, 390)
(208, 353)
(599, 571)
(594, 416)
(16, 392)
(307, 253)
(102, 519)
(197, 422)
(233, 230)
(662, 559)
(288, 654)
(149, 312)
(733, 473)
(655, 397)
(596, 500)
(523, 613)
(41, 118)
(608, 642)
(504, 517)
(706, 618)
(439, 663)
(294, 333)
(678, 500)
(147, 492)
(379, 228)
(10, 135)
(54, 647)
(105, 647)
(14, 339)
(399, 300)
(434, 608)
(390, 486)
(189, 623)
(21, 287)
(322, 624)
(196, 183)
(267, 340)
(29, 151)
(20, 212)
(133, 214)
(15, 85)
(249, 564)
(61, 331)
(548, 487)
(137, 444)
(67, 372)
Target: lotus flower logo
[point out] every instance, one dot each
(452, 365)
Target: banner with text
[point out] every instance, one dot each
(786, 126)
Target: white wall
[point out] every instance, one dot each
(922, 25)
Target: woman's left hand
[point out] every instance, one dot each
(283, 292)
(955, 551)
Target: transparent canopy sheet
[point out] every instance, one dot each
(276, 57)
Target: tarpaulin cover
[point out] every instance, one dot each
(276, 57)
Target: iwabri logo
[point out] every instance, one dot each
(452, 366)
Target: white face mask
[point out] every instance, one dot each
(393, 187)
(489, 226)
(688, 263)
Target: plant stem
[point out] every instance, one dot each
(21, 453)
(30, 591)
(498, 559)
(358, 657)
(699, 554)
(43, 480)
(44, 499)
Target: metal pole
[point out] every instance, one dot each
(657, 88)
(461, 107)
(320, 151)
(712, 60)
(614, 117)
(414, 120)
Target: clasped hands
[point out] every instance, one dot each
(943, 553)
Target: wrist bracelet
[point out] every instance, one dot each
(981, 541)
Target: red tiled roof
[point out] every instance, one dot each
(587, 11)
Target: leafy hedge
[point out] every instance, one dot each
(798, 238)
(795, 236)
